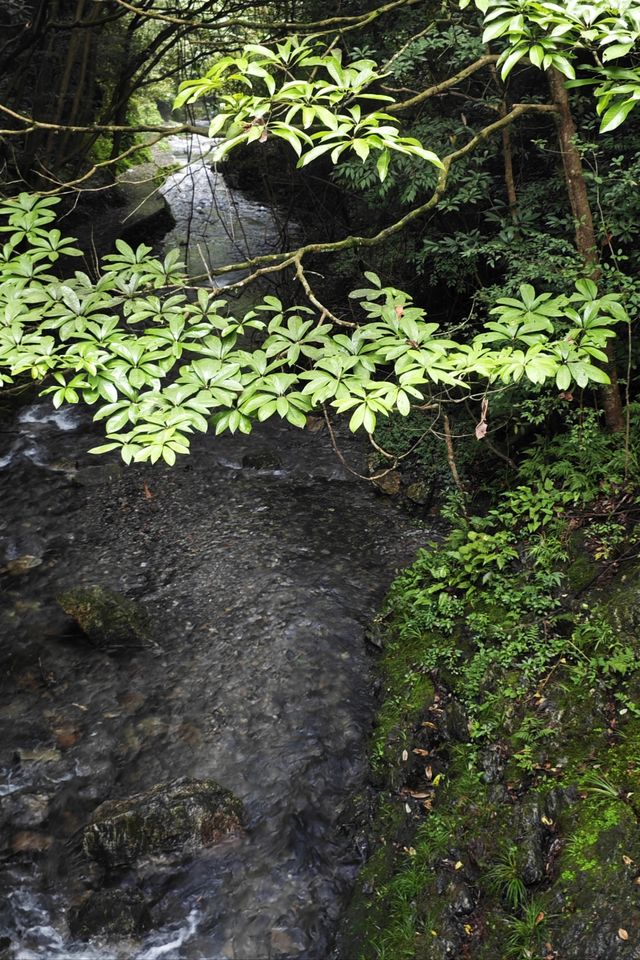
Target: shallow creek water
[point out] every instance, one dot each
(260, 561)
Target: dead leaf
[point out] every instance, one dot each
(148, 495)
(458, 865)
(622, 933)
(421, 753)
(481, 430)
(539, 918)
(626, 859)
(428, 772)
(405, 755)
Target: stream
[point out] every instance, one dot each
(260, 560)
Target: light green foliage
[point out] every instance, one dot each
(81, 333)
(555, 34)
(311, 100)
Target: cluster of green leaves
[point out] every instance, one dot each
(187, 369)
(308, 98)
(551, 34)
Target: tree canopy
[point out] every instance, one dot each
(160, 359)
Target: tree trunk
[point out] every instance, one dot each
(585, 233)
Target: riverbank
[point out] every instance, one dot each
(507, 743)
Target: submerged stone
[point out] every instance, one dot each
(262, 460)
(110, 620)
(178, 815)
(121, 913)
(20, 565)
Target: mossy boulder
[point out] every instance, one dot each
(178, 815)
(116, 913)
(110, 620)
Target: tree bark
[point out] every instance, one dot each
(585, 233)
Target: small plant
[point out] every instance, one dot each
(504, 878)
(599, 784)
(525, 932)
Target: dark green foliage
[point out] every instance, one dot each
(535, 814)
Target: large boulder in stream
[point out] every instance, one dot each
(178, 815)
(111, 621)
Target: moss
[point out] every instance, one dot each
(581, 572)
(408, 693)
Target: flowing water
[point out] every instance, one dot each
(260, 560)
(214, 224)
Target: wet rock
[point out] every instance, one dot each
(110, 620)
(558, 799)
(117, 913)
(420, 493)
(389, 483)
(532, 837)
(493, 764)
(26, 809)
(182, 814)
(462, 900)
(376, 634)
(454, 722)
(595, 935)
(262, 460)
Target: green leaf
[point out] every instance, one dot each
(511, 60)
(382, 164)
(104, 448)
(496, 29)
(563, 378)
(616, 115)
(616, 50)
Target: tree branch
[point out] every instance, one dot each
(31, 125)
(348, 243)
(444, 85)
(327, 25)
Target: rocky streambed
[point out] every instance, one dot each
(258, 563)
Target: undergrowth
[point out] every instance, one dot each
(505, 617)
